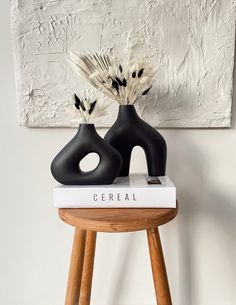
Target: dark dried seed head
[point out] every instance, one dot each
(115, 85)
(79, 103)
(120, 68)
(76, 105)
(76, 98)
(134, 74)
(147, 90)
(124, 82)
(82, 106)
(92, 106)
(119, 81)
(140, 72)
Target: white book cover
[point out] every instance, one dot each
(126, 192)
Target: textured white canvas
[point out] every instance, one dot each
(191, 42)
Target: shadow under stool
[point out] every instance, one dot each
(88, 222)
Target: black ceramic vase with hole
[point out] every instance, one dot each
(128, 131)
(65, 166)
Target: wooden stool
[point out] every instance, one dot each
(90, 221)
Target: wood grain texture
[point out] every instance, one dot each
(76, 267)
(117, 220)
(158, 268)
(86, 284)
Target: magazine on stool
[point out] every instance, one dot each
(134, 191)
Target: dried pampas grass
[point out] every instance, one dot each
(122, 83)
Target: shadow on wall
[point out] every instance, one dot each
(201, 203)
(122, 272)
(204, 202)
(233, 120)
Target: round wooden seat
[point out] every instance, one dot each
(117, 220)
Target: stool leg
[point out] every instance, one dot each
(76, 268)
(158, 268)
(86, 284)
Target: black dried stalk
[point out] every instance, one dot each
(92, 106)
(119, 81)
(140, 72)
(146, 91)
(78, 103)
(115, 85)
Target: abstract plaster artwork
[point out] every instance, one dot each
(191, 42)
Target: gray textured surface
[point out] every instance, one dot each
(191, 42)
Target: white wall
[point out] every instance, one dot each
(200, 245)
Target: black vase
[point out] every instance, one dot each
(128, 131)
(65, 166)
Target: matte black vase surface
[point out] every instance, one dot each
(128, 131)
(65, 166)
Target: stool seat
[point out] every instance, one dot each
(117, 220)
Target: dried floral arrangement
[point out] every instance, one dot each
(122, 83)
(87, 109)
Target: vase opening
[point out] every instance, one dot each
(138, 153)
(89, 163)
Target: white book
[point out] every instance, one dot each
(125, 192)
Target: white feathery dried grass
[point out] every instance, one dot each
(122, 83)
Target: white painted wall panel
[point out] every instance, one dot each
(191, 42)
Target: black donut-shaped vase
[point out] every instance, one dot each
(65, 166)
(128, 131)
